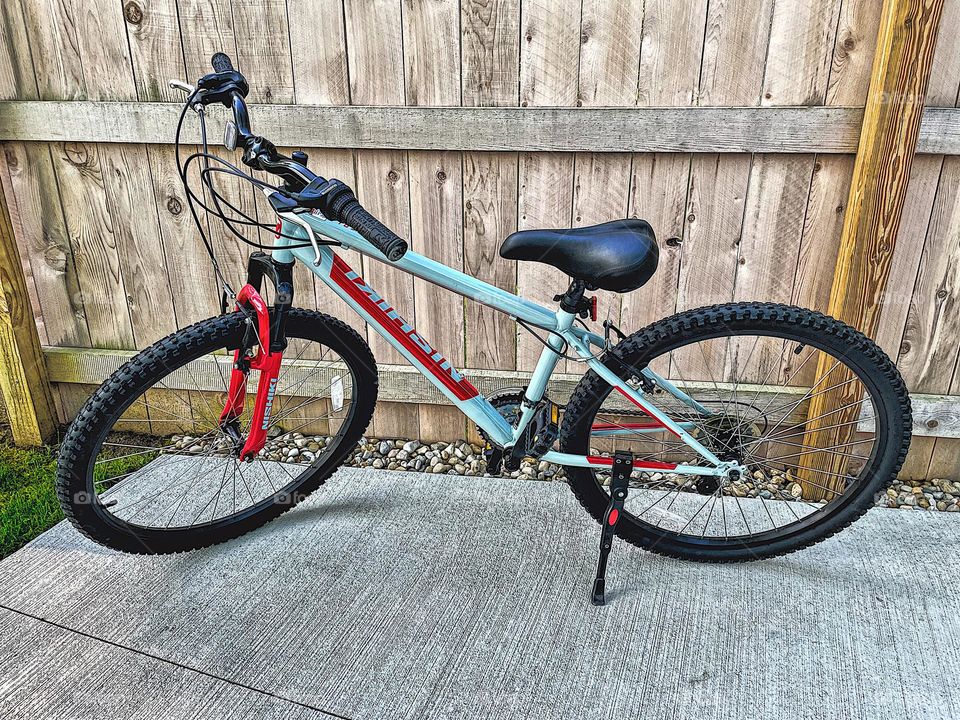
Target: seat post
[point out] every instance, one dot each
(571, 301)
(574, 302)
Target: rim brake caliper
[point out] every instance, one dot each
(267, 363)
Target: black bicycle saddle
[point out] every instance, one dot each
(620, 255)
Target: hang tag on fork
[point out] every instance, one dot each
(336, 393)
(230, 135)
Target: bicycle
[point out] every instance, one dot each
(704, 421)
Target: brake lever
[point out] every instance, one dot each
(182, 86)
(197, 95)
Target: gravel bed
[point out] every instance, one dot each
(464, 458)
(940, 494)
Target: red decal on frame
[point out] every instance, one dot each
(402, 331)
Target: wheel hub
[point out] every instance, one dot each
(726, 436)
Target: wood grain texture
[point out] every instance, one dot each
(828, 130)
(17, 76)
(822, 224)
(490, 57)
(490, 214)
(431, 52)
(670, 51)
(799, 58)
(884, 158)
(908, 251)
(717, 79)
(24, 386)
(432, 77)
(935, 415)
(545, 200)
(46, 240)
(601, 193)
(673, 36)
(715, 206)
(374, 32)
(153, 31)
(104, 50)
(193, 287)
(549, 76)
(92, 232)
(206, 28)
(945, 454)
(490, 52)
(901, 71)
(17, 227)
(717, 199)
(143, 265)
(549, 52)
(658, 194)
(610, 35)
(263, 49)
(375, 49)
(318, 46)
(321, 77)
(853, 51)
(773, 216)
(942, 88)
(735, 46)
(928, 353)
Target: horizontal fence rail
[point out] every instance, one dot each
(607, 129)
(933, 415)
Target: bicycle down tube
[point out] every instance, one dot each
(377, 312)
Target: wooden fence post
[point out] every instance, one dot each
(23, 374)
(888, 139)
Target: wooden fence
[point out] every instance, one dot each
(515, 116)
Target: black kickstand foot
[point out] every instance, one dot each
(619, 484)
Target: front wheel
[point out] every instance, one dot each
(814, 410)
(148, 466)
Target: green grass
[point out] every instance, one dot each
(28, 502)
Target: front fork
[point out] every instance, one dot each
(268, 335)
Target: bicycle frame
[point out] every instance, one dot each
(562, 332)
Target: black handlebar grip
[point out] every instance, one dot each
(221, 62)
(336, 200)
(380, 236)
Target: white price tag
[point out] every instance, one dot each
(336, 393)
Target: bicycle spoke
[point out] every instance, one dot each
(757, 427)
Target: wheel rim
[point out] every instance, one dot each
(165, 463)
(758, 388)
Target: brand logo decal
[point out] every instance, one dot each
(405, 327)
(403, 331)
(271, 390)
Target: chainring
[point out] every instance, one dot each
(508, 403)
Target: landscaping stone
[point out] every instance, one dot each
(464, 458)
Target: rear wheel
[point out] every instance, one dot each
(148, 467)
(752, 372)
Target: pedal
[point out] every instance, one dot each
(538, 437)
(494, 457)
(619, 485)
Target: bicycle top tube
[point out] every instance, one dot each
(430, 270)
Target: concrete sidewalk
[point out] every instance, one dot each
(397, 595)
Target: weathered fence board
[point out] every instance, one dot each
(547, 129)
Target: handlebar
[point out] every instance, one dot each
(331, 197)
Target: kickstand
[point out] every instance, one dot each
(619, 484)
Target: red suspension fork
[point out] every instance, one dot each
(267, 363)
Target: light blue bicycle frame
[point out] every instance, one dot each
(560, 327)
